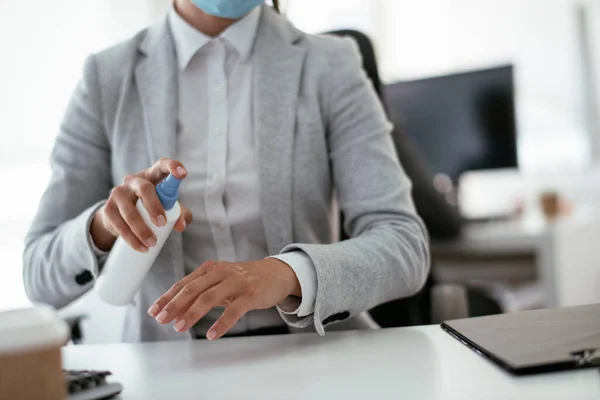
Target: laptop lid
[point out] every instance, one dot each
(536, 341)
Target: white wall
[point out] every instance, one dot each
(321, 16)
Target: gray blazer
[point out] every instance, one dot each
(323, 142)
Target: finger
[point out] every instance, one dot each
(163, 300)
(229, 318)
(119, 225)
(184, 220)
(206, 302)
(137, 225)
(104, 220)
(164, 167)
(186, 296)
(146, 191)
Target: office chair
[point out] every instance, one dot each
(436, 302)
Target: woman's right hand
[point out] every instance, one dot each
(120, 217)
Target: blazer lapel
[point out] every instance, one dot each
(157, 81)
(156, 78)
(278, 68)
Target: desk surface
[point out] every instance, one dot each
(410, 363)
(519, 236)
(503, 237)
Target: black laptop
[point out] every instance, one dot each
(532, 342)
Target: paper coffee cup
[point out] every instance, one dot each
(30, 354)
(550, 202)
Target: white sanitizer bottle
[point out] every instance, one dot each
(126, 268)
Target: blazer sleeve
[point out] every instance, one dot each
(387, 255)
(59, 263)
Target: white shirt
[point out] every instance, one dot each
(216, 143)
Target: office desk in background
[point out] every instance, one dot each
(564, 254)
(422, 363)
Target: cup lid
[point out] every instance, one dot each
(31, 328)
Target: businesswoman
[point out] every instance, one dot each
(272, 129)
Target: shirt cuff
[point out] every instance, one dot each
(306, 273)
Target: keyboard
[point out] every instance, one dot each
(90, 385)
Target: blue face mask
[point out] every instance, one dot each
(227, 8)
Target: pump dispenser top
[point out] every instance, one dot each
(167, 191)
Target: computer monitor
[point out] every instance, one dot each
(460, 122)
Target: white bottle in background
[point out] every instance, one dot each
(126, 268)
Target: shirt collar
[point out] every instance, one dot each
(188, 40)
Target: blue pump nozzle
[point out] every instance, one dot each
(167, 191)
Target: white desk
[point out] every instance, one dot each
(565, 253)
(421, 363)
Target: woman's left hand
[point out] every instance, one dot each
(240, 287)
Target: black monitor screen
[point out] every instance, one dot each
(461, 122)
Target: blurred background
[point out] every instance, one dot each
(499, 98)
